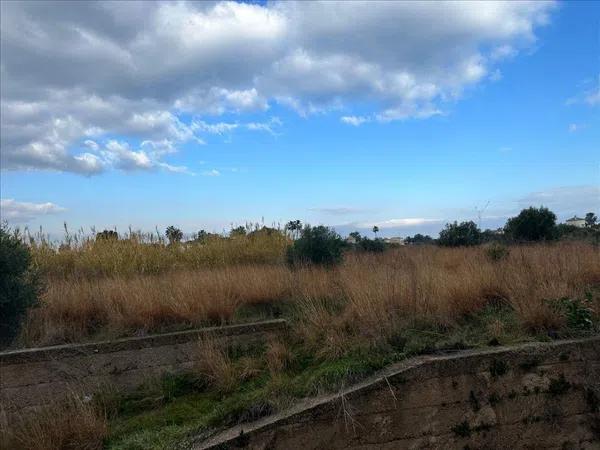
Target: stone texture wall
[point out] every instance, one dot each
(37, 376)
(535, 396)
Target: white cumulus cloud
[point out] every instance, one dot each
(354, 120)
(140, 70)
(19, 212)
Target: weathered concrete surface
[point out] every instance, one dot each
(534, 396)
(37, 376)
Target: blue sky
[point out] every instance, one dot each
(297, 121)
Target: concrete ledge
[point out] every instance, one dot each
(537, 395)
(33, 377)
(155, 340)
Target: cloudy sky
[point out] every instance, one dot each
(397, 114)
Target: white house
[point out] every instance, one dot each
(576, 222)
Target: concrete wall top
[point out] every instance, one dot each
(57, 352)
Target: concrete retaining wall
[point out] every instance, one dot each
(532, 396)
(37, 376)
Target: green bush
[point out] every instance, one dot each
(19, 285)
(363, 243)
(497, 252)
(532, 224)
(579, 313)
(371, 245)
(460, 234)
(419, 239)
(317, 245)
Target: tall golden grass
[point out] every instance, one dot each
(366, 298)
(142, 254)
(72, 424)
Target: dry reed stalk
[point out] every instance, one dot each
(72, 424)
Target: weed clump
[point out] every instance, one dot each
(72, 424)
(579, 313)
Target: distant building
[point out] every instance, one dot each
(351, 240)
(394, 240)
(576, 222)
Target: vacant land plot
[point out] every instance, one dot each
(346, 322)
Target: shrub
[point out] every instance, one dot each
(365, 244)
(419, 239)
(371, 245)
(109, 235)
(317, 245)
(463, 234)
(579, 313)
(497, 252)
(532, 224)
(19, 286)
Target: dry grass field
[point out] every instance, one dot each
(368, 296)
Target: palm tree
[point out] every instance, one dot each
(294, 226)
(375, 230)
(173, 234)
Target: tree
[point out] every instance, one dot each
(532, 224)
(375, 230)
(294, 226)
(19, 283)
(174, 235)
(463, 234)
(202, 236)
(590, 219)
(318, 245)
